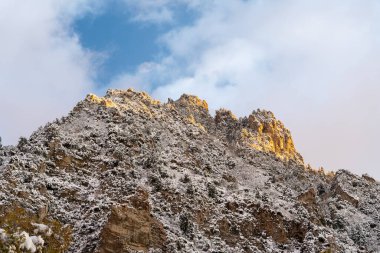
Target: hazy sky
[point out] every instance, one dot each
(315, 64)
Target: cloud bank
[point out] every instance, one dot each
(313, 63)
(43, 68)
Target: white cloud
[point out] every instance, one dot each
(44, 70)
(152, 11)
(314, 63)
(158, 11)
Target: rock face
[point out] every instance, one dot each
(126, 173)
(132, 228)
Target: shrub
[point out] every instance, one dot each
(16, 219)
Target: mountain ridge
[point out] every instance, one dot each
(261, 130)
(127, 173)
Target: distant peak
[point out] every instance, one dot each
(192, 101)
(265, 132)
(120, 96)
(225, 116)
(263, 114)
(100, 100)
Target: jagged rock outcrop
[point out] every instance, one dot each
(266, 133)
(127, 173)
(261, 130)
(132, 227)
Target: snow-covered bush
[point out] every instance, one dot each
(20, 233)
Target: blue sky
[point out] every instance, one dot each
(313, 63)
(124, 42)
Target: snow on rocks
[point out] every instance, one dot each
(27, 243)
(42, 229)
(207, 185)
(20, 240)
(3, 235)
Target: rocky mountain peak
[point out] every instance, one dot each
(225, 118)
(122, 96)
(192, 102)
(264, 132)
(126, 173)
(260, 130)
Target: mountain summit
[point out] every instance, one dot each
(127, 173)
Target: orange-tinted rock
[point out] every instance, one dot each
(308, 197)
(132, 228)
(192, 102)
(265, 133)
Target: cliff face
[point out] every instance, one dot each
(260, 131)
(126, 173)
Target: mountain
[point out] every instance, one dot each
(126, 173)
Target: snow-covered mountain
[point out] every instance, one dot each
(126, 173)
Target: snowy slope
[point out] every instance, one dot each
(126, 173)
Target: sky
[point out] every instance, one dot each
(313, 63)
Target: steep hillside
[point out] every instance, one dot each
(126, 173)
